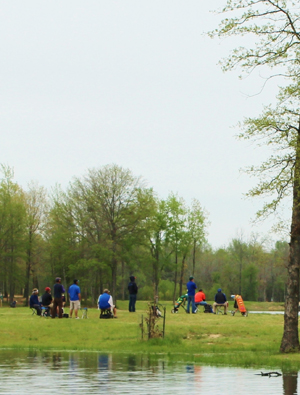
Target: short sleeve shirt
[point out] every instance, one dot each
(74, 290)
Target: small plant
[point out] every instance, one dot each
(153, 315)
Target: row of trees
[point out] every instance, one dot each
(107, 225)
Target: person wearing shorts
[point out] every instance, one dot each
(75, 297)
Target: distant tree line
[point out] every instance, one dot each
(107, 226)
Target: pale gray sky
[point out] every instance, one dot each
(136, 83)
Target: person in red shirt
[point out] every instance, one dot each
(200, 298)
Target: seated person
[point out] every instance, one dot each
(105, 302)
(220, 300)
(200, 298)
(47, 298)
(34, 301)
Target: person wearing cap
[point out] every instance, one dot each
(47, 298)
(133, 290)
(191, 288)
(34, 301)
(106, 302)
(58, 291)
(220, 300)
(75, 297)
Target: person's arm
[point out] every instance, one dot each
(63, 290)
(79, 297)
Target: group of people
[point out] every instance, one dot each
(106, 302)
(195, 299)
(56, 302)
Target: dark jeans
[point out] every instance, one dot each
(57, 302)
(132, 300)
(38, 309)
(191, 299)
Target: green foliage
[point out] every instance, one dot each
(250, 283)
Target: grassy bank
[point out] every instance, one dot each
(205, 338)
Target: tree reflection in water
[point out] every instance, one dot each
(290, 380)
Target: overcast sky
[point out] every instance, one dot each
(89, 83)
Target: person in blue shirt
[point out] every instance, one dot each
(105, 302)
(34, 301)
(191, 287)
(75, 297)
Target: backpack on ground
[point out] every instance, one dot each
(208, 308)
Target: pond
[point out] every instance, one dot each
(94, 373)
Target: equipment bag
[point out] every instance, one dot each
(208, 308)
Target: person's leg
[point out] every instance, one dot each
(188, 304)
(130, 304)
(71, 308)
(76, 307)
(193, 305)
(225, 307)
(214, 307)
(38, 310)
(203, 303)
(133, 303)
(59, 303)
(53, 311)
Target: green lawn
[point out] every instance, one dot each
(205, 338)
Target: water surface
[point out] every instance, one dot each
(96, 373)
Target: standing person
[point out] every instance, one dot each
(75, 297)
(34, 301)
(58, 291)
(220, 300)
(200, 298)
(191, 287)
(133, 290)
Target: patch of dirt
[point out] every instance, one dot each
(215, 336)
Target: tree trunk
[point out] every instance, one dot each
(182, 274)
(290, 381)
(26, 289)
(194, 258)
(290, 339)
(123, 280)
(155, 271)
(175, 279)
(28, 269)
